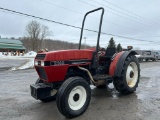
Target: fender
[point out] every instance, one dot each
(116, 66)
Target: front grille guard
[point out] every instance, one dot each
(42, 73)
(40, 56)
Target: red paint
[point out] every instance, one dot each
(55, 73)
(58, 73)
(68, 55)
(113, 64)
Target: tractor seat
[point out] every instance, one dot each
(108, 54)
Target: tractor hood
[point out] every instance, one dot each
(63, 55)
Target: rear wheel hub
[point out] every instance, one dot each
(132, 74)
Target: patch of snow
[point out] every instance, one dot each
(29, 64)
(26, 65)
(1, 55)
(28, 56)
(92, 86)
(138, 56)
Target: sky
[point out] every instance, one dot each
(129, 22)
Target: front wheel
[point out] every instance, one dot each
(73, 97)
(128, 82)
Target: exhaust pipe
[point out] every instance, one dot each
(96, 83)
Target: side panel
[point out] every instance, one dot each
(113, 64)
(116, 66)
(56, 73)
(52, 73)
(64, 55)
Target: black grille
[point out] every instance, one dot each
(42, 73)
(40, 56)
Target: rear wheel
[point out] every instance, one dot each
(128, 82)
(53, 93)
(73, 97)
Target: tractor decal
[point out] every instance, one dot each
(55, 63)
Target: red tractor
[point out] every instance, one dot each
(66, 75)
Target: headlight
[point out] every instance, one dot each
(35, 63)
(42, 63)
(39, 63)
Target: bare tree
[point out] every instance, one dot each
(36, 33)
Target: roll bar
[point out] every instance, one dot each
(100, 24)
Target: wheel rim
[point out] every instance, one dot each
(77, 98)
(132, 74)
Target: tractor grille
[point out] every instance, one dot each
(42, 73)
(40, 56)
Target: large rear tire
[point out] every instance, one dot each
(73, 97)
(53, 93)
(128, 82)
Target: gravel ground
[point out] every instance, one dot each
(17, 104)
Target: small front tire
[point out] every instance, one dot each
(73, 97)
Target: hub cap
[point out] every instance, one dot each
(77, 98)
(132, 74)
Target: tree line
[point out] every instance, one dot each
(51, 45)
(36, 39)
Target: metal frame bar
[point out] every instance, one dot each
(100, 25)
